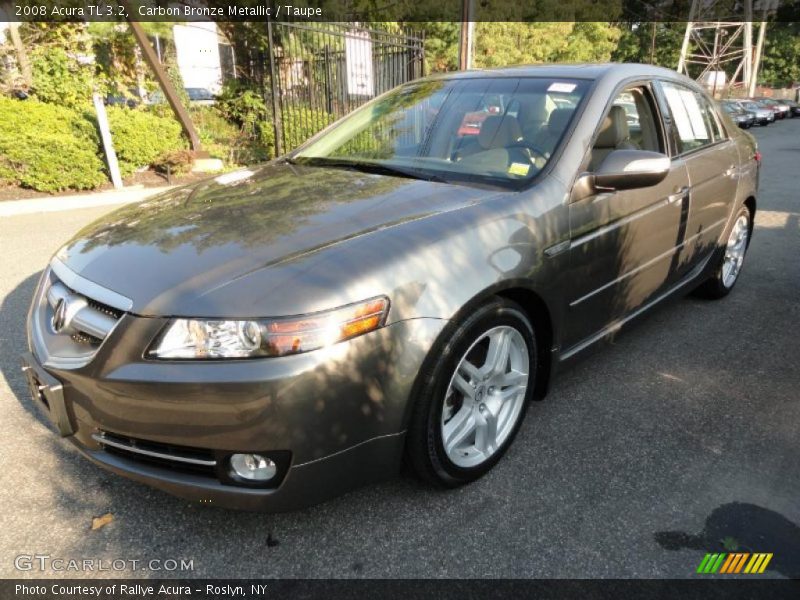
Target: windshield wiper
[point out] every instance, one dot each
(368, 167)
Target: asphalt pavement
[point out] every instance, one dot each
(680, 438)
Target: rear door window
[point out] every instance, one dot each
(694, 119)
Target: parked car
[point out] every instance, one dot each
(738, 114)
(764, 116)
(278, 335)
(794, 107)
(120, 98)
(201, 96)
(779, 109)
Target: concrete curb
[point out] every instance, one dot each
(11, 208)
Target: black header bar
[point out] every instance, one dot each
(408, 12)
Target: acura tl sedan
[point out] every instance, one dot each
(395, 290)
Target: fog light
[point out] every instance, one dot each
(253, 467)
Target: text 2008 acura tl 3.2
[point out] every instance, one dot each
(400, 287)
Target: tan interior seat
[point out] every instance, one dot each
(499, 131)
(533, 117)
(556, 124)
(614, 135)
(497, 140)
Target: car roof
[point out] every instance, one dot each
(570, 71)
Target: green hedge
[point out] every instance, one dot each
(48, 148)
(141, 137)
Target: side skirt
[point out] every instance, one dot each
(694, 276)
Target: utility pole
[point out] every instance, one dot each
(465, 42)
(762, 33)
(747, 59)
(169, 90)
(687, 36)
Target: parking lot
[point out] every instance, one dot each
(680, 438)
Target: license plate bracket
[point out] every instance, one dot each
(48, 395)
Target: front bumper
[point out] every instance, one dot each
(339, 413)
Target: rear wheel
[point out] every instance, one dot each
(474, 395)
(730, 264)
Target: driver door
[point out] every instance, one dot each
(623, 242)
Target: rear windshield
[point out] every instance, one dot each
(493, 130)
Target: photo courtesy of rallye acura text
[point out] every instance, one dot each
(399, 288)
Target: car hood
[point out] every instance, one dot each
(180, 245)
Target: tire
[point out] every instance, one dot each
(442, 410)
(731, 259)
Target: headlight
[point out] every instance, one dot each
(210, 339)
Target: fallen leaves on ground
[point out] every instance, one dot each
(98, 522)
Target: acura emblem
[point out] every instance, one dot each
(60, 315)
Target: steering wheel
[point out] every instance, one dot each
(525, 145)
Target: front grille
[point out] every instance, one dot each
(88, 340)
(72, 317)
(84, 319)
(184, 459)
(105, 309)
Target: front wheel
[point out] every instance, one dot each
(473, 396)
(730, 264)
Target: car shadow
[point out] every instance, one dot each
(743, 527)
(14, 311)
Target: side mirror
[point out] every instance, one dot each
(629, 169)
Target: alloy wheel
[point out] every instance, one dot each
(735, 250)
(485, 396)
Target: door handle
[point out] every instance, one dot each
(679, 195)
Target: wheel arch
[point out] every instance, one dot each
(750, 204)
(538, 312)
(535, 308)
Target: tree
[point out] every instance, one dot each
(21, 53)
(513, 43)
(780, 65)
(656, 43)
(62, 61)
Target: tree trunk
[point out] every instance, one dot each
(23, 63)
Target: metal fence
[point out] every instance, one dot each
(322, 71)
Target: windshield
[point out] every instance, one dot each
(490, 130)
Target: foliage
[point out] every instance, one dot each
(441, 46)
(781, 49)
(47, 147)
(240, 103)
(657, 43)
(60, 79)
(140, 137)
(176, 162)
(230, 142)
(300, 123)
(61, 61)
(510, 43)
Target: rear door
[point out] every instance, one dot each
(712, 160)
(623, 242)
